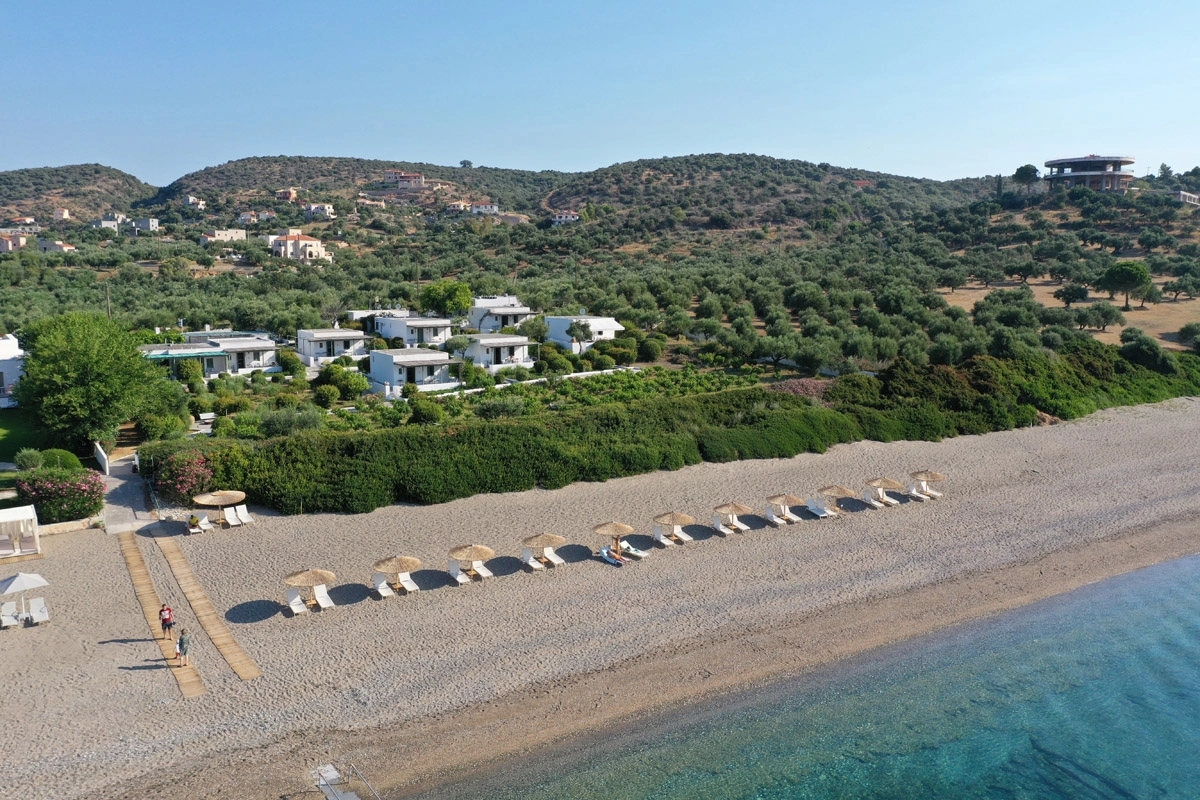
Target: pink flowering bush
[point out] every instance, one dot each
(183, 476)
(61, 494)
(812, 388)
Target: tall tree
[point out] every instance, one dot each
(1125, 277)
(446, 297)
(1026, 176)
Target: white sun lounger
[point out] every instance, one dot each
(461, 578)
(737, 524)
(819, 508)
(719, 525)
(915, 494)
(380, 584)
(205, 525)
(405, 582)
(244, 515)
(773, 520)
(481, 570)
(529, 560)
(8, 615)
(923, 488)
(881, 496)
(869, 500)
(665, 539)
(296, 602)
(629, 550)
(232, 518)
(674, 535)
(554, 558)
(321, 595)
(37, 611)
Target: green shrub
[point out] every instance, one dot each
(325, 396)
(425, 411)
(62, 494)
(289, 361)
(28, 459)
(506, 406)
(158, 426)
(226, 404)
(602, 362)
(54, 457)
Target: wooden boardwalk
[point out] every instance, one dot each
(207, 615)
(189, 679)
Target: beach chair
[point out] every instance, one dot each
(772, 520)
(881, 496)
(869, 500)
(553, 559)
(244, 515)
(629, 550)
(8, 615)
(608, 555)
(923, 488)
(916, 494)
(662, 538)
(321, 595)
(379, 581)
(737, 524)
(296, 602)
(479, 569)
(231, 518)
(37, 611)
(405, 583)
(719, 526)
(455, 570)
(817, 507)
(529, 560)
(205, 525)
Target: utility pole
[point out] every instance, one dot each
(108, 300)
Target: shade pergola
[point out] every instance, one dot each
(395, 565)
(472, 552)
(544, 540)
(785, 500)
(221, 499)
(927, 475)
(19, 532)
(733, 509)
(887, 484)
(21, 583)
(675, 518)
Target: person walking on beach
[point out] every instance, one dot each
(185, 642)
(167, 617)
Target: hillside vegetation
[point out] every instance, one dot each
(85, 189)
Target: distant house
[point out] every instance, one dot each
(319, 211)
(457, 207)
(145, 224)
(429, 370)
(231, 352)
(11, 242)
(111, 224)
(12, 367)
(291, 195)
(563, 217)
(113, 216)
(404, 180)
(194, 202)
(366, 201)
(229, 235)
(601, 327)
(299, 247)
(247, 218)
(495, 351)
(485, 208)
(23, 221)
(316, 347)
(61, 215)
(47, 246)
(263, 216)
(491, 313)
(414, 330)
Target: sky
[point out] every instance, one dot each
(928, 88)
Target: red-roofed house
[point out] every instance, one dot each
(22, 220)
(47, 246)
(11, 242)
(404, 180)
(299, 248)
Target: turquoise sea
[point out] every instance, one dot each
(1093, 694)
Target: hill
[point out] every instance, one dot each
(519, 190)
(87, 190)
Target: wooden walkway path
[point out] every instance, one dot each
(189, 679)
(207, 615)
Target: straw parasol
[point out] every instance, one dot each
(613, 530)
(544, 540)
(227, 497)
(395, 565)
(785, 500)
(927, 475)
(837, 491)
(472, 552)
(675, 518)
(733, 509)
(887, 484)
(308, 578)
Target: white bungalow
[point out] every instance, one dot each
(19, 532)
(316, 347)
(564, 217)
(602, 328)
(489, 314)
(429, 370)
(485, 208)
(231, 352)
(12, 367)
(495, 351)
(414, 330)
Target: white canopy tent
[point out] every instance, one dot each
(19, 532)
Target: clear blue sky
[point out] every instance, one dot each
(933, 88)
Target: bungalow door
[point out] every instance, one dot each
(420, 336)
(410, 374)
(329, 349)
(241, 361)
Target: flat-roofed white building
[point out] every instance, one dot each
(12, 367)
(485, 208)
(491, 313)
(563, 217)
(428, 370)
(229, 352)
(61, 215)
(414, 330)
(495, 351)
(322, 346)
(319, 211)
(601, 327)
(299, 247)
(229, 235)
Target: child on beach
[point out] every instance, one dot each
(181, 647)
(167, 617)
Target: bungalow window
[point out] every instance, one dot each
(208, 365)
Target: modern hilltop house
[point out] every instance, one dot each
(1099, 173)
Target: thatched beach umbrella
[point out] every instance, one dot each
(396, 565)
(544, 540)
(733, 509)
(308, 578)
(472, 552)
(613, 530)
(785, 500)
(221, 499)
(836, 492)
(886, 484)
(675, 518)
(927, 475)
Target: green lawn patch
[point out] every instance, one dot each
(17, 430)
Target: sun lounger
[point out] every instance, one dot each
(529, 560)
(869, 500)
(915, 494)
(244, 515)
(405, 583)
(321, 595)
(629, 550)
(205, 525)
(719, 526)
(232, 518)
(553, 559)
(380, 583)
(773, 520)
(819, 508)
(607, 554)
(457, 574)
(673, 535)
(296, 602)
(479, 569)
(737, 524)
(923, 488)
(664, 539)
(37, 611)
(8, 615)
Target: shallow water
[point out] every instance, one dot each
(1094, 694)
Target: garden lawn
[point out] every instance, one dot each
(16, 431)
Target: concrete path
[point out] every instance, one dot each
(125, 507)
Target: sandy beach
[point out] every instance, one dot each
(415, 690)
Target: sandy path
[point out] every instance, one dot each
(101, 729)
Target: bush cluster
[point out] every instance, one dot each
(61, 494)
